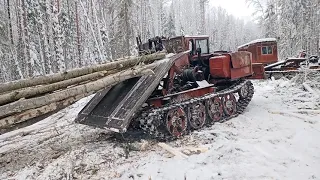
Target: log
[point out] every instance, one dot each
(308, 88)
(300, 111)
(302, 99)
(32, 91)
(139, 146)
(120, 63)
(172, 150)
(293, 115)
(26, 104)
(33, 113)
(193, 150)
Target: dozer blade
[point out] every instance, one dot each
(113, 108)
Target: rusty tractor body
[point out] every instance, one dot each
(191, 88)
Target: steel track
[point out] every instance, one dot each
(152, 121)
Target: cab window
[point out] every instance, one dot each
(266, 50)
(203, 44)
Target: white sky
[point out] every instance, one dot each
(238, 8)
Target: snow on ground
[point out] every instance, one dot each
(259, 144)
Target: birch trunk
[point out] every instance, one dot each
(26, 50)
(92, 31)
(78, 36)
(10, 23)
(58, 40)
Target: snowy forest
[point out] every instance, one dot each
(48, 36)
(295, 23)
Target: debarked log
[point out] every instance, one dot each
(26, 104)
(33, 113)
(52, 78)
(38, 90)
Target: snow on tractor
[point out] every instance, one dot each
(191, 88)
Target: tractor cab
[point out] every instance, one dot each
(197, 45)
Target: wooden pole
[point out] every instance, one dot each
(22, 105)
(120, 63)
(32, 91)
(32, 113)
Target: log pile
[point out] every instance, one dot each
(25, 99)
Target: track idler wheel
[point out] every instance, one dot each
(244, 91)
(176, 122)
(197, 115)
(214, 109)
(229, 104)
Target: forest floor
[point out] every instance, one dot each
(259, 144)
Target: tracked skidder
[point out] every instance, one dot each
(192, 87)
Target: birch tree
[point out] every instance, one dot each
(50, 36)
(58, 38)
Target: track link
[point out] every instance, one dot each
(153, 123)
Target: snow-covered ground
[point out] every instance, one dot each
(260, 144)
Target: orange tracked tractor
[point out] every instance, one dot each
(192, 87)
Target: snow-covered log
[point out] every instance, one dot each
(293, 114)
(308, 111)
(308, 88)
(172, 150)
(26, 104)
(119, 63)
(32, 91)
(194, 150)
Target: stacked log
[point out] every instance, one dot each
(117, 64)
(25, 99)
